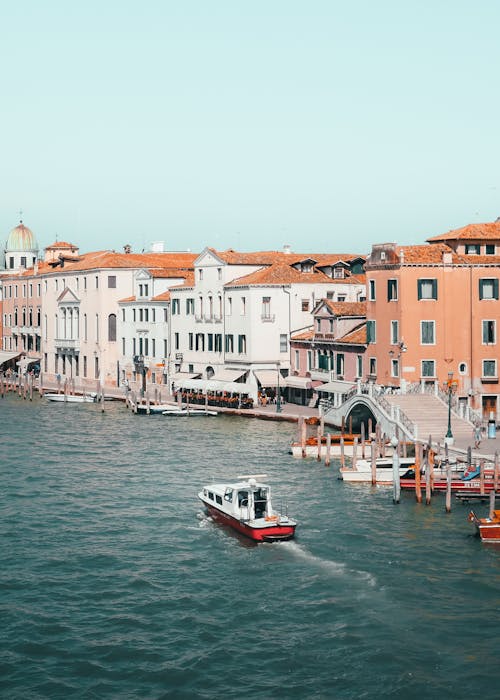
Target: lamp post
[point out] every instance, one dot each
(450, 386)
(278, 395)
(141, 370)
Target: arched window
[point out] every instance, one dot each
(112, 327)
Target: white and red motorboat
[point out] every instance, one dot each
(245, 505)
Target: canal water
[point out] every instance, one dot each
(114, 584)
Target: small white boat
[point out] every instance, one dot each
(72, 398)
(362, 472)
(152, 408)
(245, 505)
(188, 412)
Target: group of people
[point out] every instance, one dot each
(221, 399)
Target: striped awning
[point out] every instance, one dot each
(6, 356)
(298, 382)
(337, 387)
(212, 385)
(268, 377)
(224, 374)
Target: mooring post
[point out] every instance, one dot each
(395, 470)
(469, 457)
(481, 477)
(328, 449)
(303, 437)
(362, 441)
(342, 452)
(418, 462)
(492, 505)
(427, 476)
(354, 453)
(495, 472)
(373, 446)
(319, 439)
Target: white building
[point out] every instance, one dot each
(234, 323)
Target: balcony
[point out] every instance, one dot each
(267, 318)
(67, 344)
(217, 319)
(324, 336)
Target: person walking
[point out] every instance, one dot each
(477, 434)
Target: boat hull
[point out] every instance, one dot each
(488, 529)
(61, 398)
(273, 532)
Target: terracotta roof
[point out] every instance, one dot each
(61, 244)
(169, 272)
(354, 337)
(127, 299)
(432, 254)
(270, 257)
(303, 335)
(346, 308)
(476, 232)
(110, 260)
(165, 296)
(280, 274)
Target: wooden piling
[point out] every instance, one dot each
(418, 462)
(342, 452)
(370, 426)
(427, 477)
(481, 477)
(303, 437)
(492, 505)
(328, 449)
(148, 408)
(319, 438)
(322, 425)
(342, 425)
(396, 483)
(354, 453)
(373, 446)
(350, 425)
(362, 441)
(496, 466)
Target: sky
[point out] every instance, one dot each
(325, 125)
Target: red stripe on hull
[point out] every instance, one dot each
(456, 485)
(259, 534)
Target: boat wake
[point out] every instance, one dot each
(333, 568)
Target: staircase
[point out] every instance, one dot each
(431, 416)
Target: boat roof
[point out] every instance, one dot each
(244, 483)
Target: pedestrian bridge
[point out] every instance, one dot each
(414, 415)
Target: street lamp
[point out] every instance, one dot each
(450, 387)
(278, 395)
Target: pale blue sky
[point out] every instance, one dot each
(325, 125)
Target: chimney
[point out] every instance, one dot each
(287, 249)
(127, 248)
(158, 247)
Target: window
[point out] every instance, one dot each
(297, 359)
(488, 289)
(219, 273)
(146, 315)
(489, 368)
(372, 371)
(266, 307)
(341, 297)
(200, 342)
(229, 306)
(309, 360)
(153, 351)
(359, 366)
(472, 249)
(210, 338)
(428, 368)
(146, 290)
(97, 282)
(140, 290)
(394, 368)
(176, 341)
(218, 342)
(175, 306)
(200, 274)
(489, 249)
(305, 304)
(111, 281)
(394, 332)
(190, 341)
(23, 261)
(427, 289)
(134, 313)
(283, 342)
(123, 346)
(141, 315)
(427, 333)
(123, 315)
(229, 343)
(372, 296)
(392, 290)
(189, 307)
(329, 295)
(243, 306)
(462, 368)
(371, 332)
(339, 364)
(489, 334)
(153, 315)
(242, 344)
(165, 347)
(338, 273)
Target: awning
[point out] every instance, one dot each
(212, 385)
(298, 382)
(228, 375)
(268, 377)
(338, 387)
(25, 362)
(6, 356)
(181, 376)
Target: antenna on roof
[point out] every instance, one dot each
(20, 216)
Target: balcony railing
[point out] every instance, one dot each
(267, 318)
(68, 343)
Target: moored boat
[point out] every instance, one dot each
(362, 472)
(245, 505)
(72, 398)
(172, 411)
(487, 528)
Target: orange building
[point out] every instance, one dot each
(433, 311)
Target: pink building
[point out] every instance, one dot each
(433, 312)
